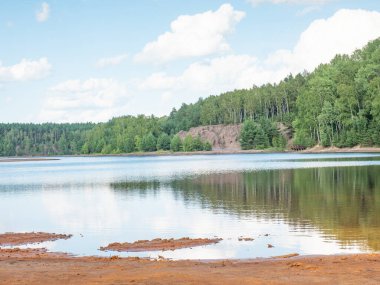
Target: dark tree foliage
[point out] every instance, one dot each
(253, 136)
(163, 142)
(176, 143)
(43, 139)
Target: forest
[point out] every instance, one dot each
(338, 104)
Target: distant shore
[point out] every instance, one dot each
(316, 149)
(24, 159)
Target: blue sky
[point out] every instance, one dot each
(90, 60)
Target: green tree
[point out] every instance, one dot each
(188, 143)
(148, 143)
(197, 144)
(163, 142)
(252, 136)
(176, 143)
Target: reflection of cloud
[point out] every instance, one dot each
(84, 209)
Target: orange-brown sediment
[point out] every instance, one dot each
(159, 244)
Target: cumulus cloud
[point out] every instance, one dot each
(25, 70)
(213, 76)
(111, 61)
(43, 14)
(342, 33)
(205, 78)
(303, 2)
(95, 99)
(193, 35)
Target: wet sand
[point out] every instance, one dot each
(12, 239)
(40, 267)
(158, 244)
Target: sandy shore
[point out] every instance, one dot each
(39, 267)
(316, 149)
(159, 244)
(12, 239)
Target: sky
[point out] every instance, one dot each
(91, 60)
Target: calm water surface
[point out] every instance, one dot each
(304, 203)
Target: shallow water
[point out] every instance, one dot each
(303, 203)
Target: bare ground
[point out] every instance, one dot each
(11, 239)
(159, 244)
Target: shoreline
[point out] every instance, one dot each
(314, 150)
(40, 267)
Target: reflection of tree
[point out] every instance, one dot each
(262, 193)
(343, 202)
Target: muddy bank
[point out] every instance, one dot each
(48, 268)
(213, 152)
(239, 151)
(320, 149)
(158, 244)
(11, 239)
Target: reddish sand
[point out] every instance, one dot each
(12, 239)
(39, 267)
(159, 244)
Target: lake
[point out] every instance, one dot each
(299, 203)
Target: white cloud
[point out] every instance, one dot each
(111, 61)
(303, 2)
(26, 70)
(95, 99)
(343, 33)
(212, 76)
(204, 78)
(43, 14)
(193, 35)
(308, 10)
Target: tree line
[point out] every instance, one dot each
(338, 104)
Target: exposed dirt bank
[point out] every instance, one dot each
(159, 244)
(11, 239)
(220, 136)
(32, 267)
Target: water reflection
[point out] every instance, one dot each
(342, 202)
(310, 204)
